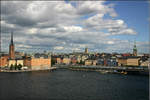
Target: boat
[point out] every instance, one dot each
(123, 72)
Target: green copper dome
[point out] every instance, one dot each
(134, 47)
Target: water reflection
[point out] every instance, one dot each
(64, 84)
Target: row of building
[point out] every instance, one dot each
(44, 61)
(34, 62)
(101, 59)
(104, 59)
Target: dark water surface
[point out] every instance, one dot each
(63, 84)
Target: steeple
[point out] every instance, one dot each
(134, 49)
(11, 38)
(135, 45)
(11, 48)
(86, 50)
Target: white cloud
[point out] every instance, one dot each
(58, 48)
(120, 22)
(90, 7)
(24, 46)
(72, 28)
(110, 42)
(4, 24)
(115, 27)
(32, 31)
(61, 26)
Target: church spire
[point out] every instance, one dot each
(134, 49)
(86, 49)
(135, 45)
(11, 37)
(12, 48)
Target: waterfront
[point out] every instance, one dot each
(63, 84)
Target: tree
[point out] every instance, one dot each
(19, 66)
(16, 66)
(81, 62)
(11, 67)
(53, 62)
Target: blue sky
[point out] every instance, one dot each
(136, 15)
(102, 26)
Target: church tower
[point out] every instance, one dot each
(134, 50)
(11, 48)
(86, 50)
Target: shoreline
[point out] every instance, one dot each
(79, 68)
(29, 70)
(112, 71)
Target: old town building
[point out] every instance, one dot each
(37, 63)
(4, 60)
(128, 61)
(15, 62)
(66, 61)
(90, 62)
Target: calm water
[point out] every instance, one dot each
(64, 84)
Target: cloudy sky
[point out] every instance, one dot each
(61, 26)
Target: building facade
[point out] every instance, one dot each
(37, 63)
(4, 60)
(128, 61)
(90, 62)
(66, 61)
(15, 62)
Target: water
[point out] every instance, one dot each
(63, 84)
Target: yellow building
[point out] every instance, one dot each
(133, 61)
(58, 60)
(15, 62)
(19, 62)
(90, 62)
(121, 61)
(66, 60)
(128, 61)
(11, 62)
(79, 59)
(94, 62)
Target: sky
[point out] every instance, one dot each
(67, 26)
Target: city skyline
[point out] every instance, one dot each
(72, 26)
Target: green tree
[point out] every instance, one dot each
(19, 66)
(11, 67)
(53, 62)
(16, 66)
(81, 62)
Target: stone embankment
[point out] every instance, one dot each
(108, 69)
(28, 70)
